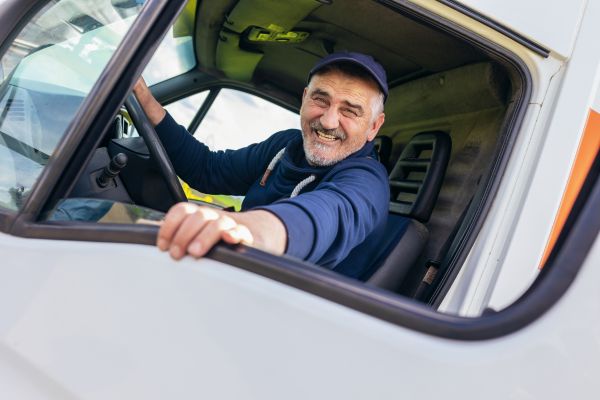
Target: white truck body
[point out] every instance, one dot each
(88, 323)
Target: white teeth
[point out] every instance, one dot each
(325, 136)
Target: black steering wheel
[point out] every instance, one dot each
(155, 147)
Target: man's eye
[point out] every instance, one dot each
(320, 100)
(348, 112)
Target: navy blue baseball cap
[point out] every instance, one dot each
(367, 62)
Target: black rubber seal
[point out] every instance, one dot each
(506, 31)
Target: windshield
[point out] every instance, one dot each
(45, 75)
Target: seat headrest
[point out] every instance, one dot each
(417, 177)
(383, 146)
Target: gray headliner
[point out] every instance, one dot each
(406, 48)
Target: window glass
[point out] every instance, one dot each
(102, 211)
(184, 110)
(175, 55)
(234, 120)
(47, 72)
(237, 119)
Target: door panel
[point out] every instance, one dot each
(125, 321)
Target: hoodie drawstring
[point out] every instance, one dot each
(271, 167)
(301, 185)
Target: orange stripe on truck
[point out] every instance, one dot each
(588, 149)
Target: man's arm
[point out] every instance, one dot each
(223, 172)
(151, 106)
(194, 230)
(323, 225)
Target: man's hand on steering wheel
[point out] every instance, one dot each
(154, 111)
(146, 112)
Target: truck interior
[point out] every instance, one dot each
(447, 115)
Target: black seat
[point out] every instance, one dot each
(383, 146)
(415, 182)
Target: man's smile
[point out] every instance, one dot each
(325, 136)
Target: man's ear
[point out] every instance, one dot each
(304, 95)
(375, 125)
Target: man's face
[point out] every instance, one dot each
(337, 117)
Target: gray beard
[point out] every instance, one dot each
(317, 161)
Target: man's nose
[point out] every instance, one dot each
(330, 119)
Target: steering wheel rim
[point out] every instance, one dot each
(155, 147)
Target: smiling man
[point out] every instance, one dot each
(315, 194)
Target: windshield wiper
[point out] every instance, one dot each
(24, 149)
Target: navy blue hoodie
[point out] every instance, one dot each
(344, 207)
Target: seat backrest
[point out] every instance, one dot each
(383, 146)
(415, 182)
(417, 177)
